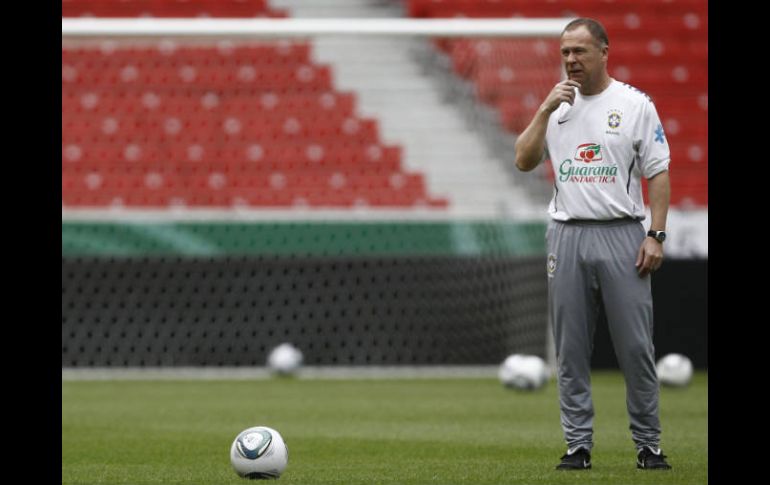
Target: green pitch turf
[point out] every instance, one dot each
(442, 431)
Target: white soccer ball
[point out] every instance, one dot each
(674, 370)
(285, 359)
(524, 372)
(259, 452)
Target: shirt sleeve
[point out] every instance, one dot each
(651, 142)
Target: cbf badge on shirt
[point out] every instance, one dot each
(614, 118)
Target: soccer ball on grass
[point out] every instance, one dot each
(285, 360)
(523, 372)
(259, 452)
(674, 370)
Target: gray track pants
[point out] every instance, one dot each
(591, 268)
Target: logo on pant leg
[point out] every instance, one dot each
(551, 266)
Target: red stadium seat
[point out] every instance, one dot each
(169, 8)
(236, 124)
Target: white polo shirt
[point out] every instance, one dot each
(599, 148)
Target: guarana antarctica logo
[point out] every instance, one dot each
(587, 170)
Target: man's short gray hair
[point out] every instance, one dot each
(594, 27)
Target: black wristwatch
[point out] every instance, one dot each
(659, 236)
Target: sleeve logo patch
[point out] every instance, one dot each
(659, 135)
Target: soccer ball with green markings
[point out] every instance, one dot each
(259, 452)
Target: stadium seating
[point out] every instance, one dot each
(223, 124)
(169, 8)
(660, 47)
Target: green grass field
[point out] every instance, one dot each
(442, 431)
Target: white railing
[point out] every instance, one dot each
(211, 27)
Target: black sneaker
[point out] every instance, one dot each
(575, 459)
(649, 459)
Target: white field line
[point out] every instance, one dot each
(265, 215)
(262, 373)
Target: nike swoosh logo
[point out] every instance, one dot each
(562, 121)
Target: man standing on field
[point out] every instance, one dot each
(602, 136)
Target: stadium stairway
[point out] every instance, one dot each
(340, 8)
(393, 86)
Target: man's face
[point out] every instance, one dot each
(583, 59)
